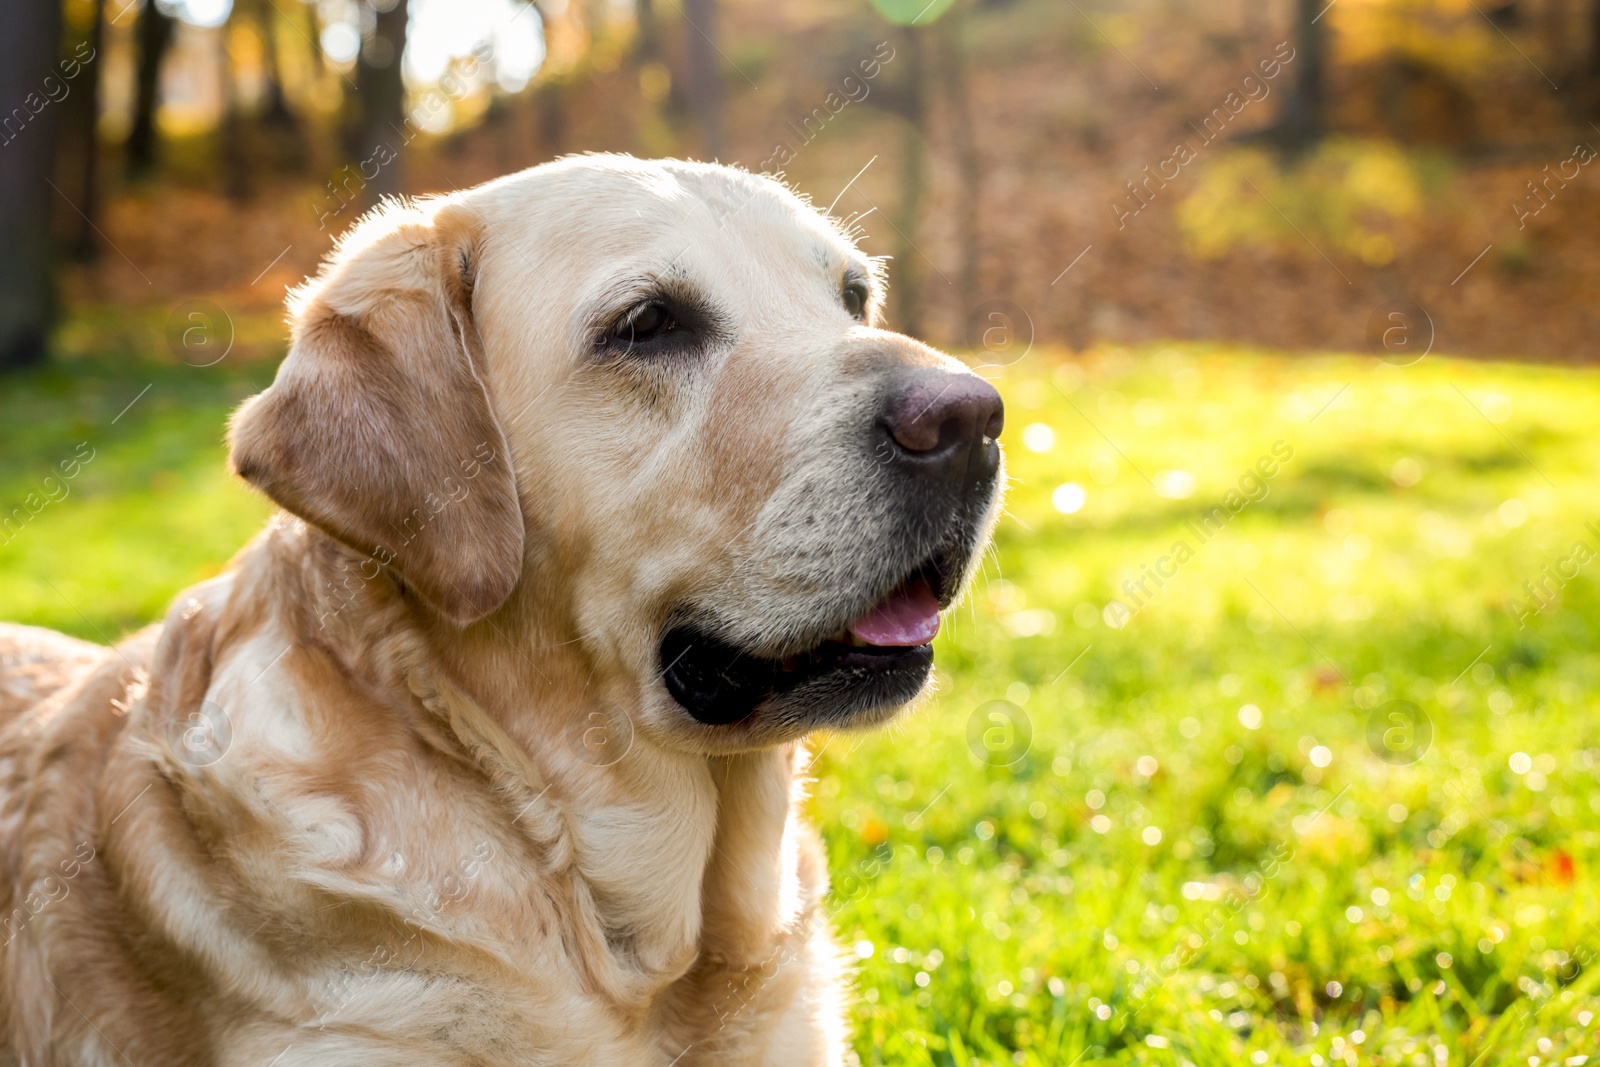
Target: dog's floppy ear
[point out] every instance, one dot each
(378, 429)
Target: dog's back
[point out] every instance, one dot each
(35, 663)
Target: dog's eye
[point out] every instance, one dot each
(646, 323)
(855, 299)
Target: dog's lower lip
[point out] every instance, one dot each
(852, 650)
(719, 684)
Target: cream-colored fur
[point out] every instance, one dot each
(403, 786)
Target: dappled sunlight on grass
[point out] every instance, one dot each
(1279, 815)
(144, 505)
(1319, 787)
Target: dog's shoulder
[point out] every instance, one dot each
(35, 662)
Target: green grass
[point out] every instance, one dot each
(153, 509)
(1178, 835)
(1020, 905)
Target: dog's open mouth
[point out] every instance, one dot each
(881, 657)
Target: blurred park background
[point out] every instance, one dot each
(1268, 734)
(1267, 172)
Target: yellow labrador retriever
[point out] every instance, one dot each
(601, 490)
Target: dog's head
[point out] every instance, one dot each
(651, 399)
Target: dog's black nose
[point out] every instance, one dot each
(945, 425)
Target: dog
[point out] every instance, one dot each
(602, 488)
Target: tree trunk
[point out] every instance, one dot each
(647, 32)
(969, 163)
(80, 170)
(236, 163)
(551, 106)
(1592, 64)
(286, 134)
(703, 81)
(152, 34)
(28, 50)
(277, 109)
(380, 104)
(907, 269)
(1303, 120)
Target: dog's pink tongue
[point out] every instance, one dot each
(907, 617)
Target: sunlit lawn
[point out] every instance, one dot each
(1199, 856)
(151, 511)
(1318, 799)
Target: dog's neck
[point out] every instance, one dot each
(683, 855)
